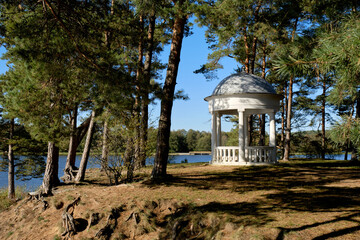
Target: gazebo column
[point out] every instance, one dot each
(213, 136)
(241, 137)
(218, 129)
(272, 134)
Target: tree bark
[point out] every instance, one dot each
(262, 130)
(354, 152)
(80, 176)
(129, 160)
(263, 63)
(105, 150)
(323, 115)
(11, 173)
(71, 157)
(253, 55)
(289, 107)
(70, 168)
(51, 171)
(145, 97)
(138, 81)
(162, 147)
(288, 122)
(247, 52)
(250, 130)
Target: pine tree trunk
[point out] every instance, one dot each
(323, 115)
(139, 80)
(105, 150)
(247, 52)
(262, 130)
(288, 122)
(289, 107)
(51, 171)
(80, 176)
(145, 97)
(11, 173)
(253, 55)
(129, 160)
(283, 121)
(162, 147)
(354, 153)
(71, 157)
(250, 129)
(263, 63)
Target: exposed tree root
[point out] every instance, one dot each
(111, 223)
(69, 175)
(68, 219)
(38, 196)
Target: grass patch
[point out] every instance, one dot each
(5, 202)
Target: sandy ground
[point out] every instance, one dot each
(288, 201)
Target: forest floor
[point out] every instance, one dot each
(295, 200)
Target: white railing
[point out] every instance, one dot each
(226, 155)
(254, 154)
(260, 154)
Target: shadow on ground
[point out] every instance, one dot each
(301, 187)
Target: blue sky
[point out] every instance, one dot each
(193, 113)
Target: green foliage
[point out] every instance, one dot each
(346, 131)
(308, 143)
(29, 160)
(338, 51)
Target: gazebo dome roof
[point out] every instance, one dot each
(243, 83)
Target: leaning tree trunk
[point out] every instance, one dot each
(162, 147)
(11, 173)
(51, 171)
(71, 157)
(80, 176)
(70, 169)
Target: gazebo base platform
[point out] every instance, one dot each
(242, 163)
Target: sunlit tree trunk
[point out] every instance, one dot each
(288, 121)
(289, 107)
(51, 171)
(162, 147)
(80, 176)
(71, 157)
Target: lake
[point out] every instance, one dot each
(34, 183)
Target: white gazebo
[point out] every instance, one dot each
(242, 95)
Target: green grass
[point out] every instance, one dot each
(5, 202)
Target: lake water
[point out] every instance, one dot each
(34, 183)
